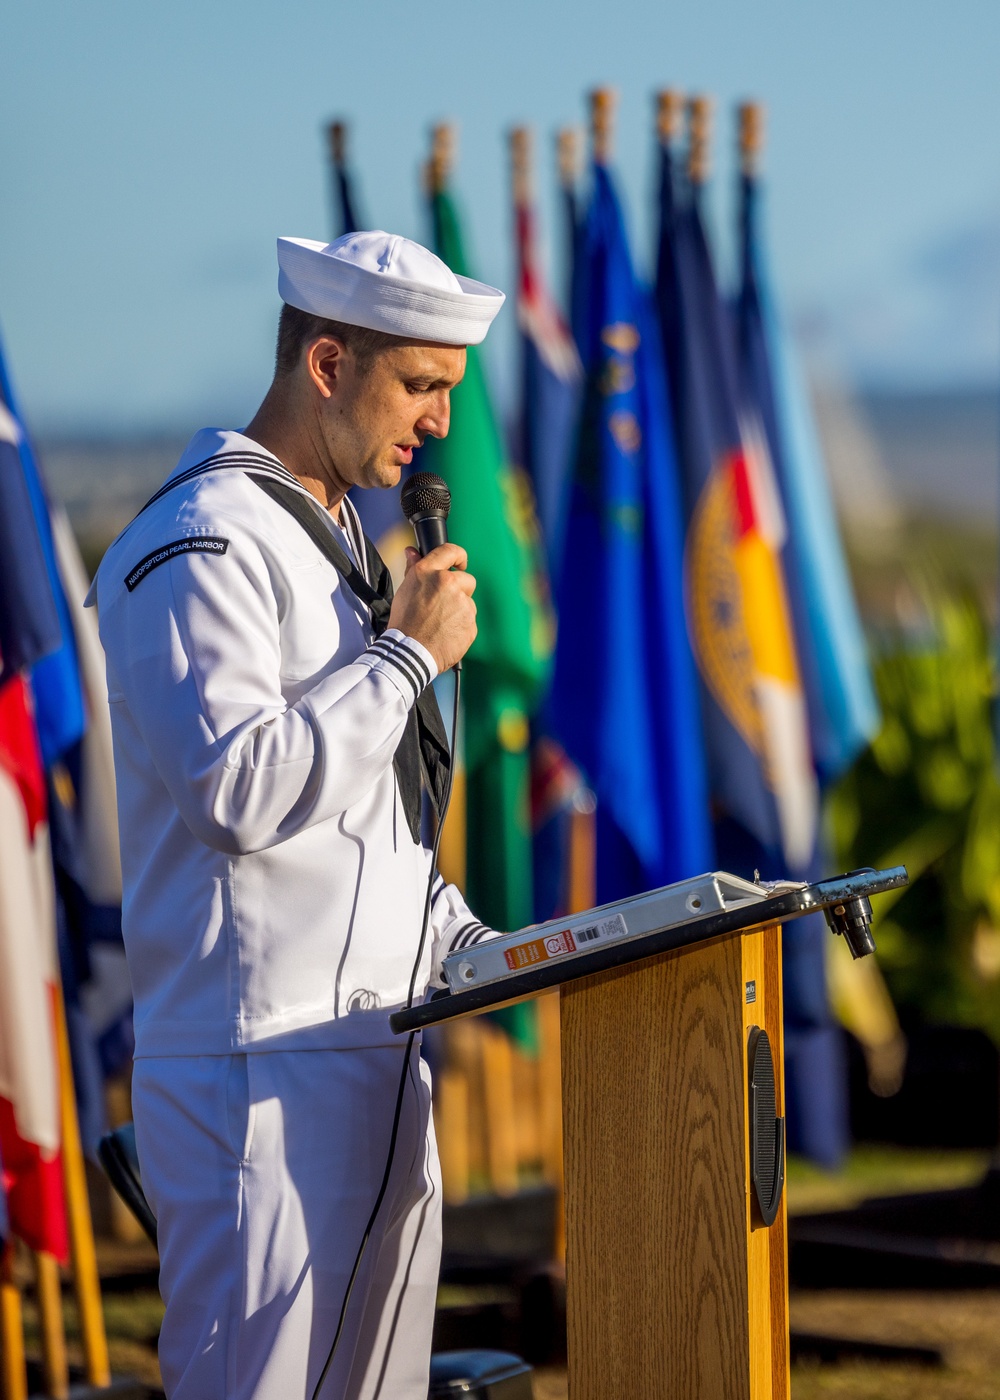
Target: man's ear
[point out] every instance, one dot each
(325, 363)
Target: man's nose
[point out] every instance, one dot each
(436, 418)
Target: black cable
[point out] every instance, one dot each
(406, 1054)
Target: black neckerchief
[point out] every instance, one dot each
(423, 747)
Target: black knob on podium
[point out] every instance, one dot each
(853, 918)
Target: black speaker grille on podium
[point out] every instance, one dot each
(767, 1130)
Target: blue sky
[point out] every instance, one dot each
(151, 153)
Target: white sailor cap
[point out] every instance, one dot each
(386, 283)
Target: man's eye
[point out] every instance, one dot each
(417, 388)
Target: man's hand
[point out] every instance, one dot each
(434, 603)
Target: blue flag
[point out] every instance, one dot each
(55, 677)
(843, 712)
(29, 621)
(624, 698)
(343, 186)
(761, 772)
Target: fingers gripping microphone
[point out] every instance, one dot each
(426, 502)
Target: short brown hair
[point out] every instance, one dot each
(297, 329)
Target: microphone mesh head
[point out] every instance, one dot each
(425, 494)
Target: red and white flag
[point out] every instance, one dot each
(29, 1077)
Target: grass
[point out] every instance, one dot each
(879, 1171)
(965, 1327)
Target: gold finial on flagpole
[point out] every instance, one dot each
(750, 124)
(602, 113)
(669, 111)
(444, 139)
(336, 134)
(520, 166)
(568, 156)
(699, 113)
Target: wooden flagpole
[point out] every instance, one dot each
(48, 1291)
(81, 1233)
(520, 166)
(13, 1370)
(444, 142)
(699, 113)
(336, 135)
(568, 156)
(750, 128)
(603, 102)
(669, 113)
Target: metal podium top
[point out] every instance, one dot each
(533, 960)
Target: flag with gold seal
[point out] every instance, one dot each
(624, 700)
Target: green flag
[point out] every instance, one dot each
(505, 672)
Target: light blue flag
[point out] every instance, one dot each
(843, 711)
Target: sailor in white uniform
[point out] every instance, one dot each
(268, 727)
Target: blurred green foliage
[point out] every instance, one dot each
(926, 795)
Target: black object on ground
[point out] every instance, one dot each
(813, 1346)
(949, 1097)
(480, 1375)
(935, 1240)
(526, 1315)
(497, 1236)
(506, 1243)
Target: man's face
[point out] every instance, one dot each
(377, 415)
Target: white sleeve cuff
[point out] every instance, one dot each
(404, 660)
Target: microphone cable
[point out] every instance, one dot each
(397, 1115)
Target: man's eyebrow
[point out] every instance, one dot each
(442, 382)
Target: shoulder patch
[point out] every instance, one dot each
(191, 544)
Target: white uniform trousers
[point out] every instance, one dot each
(262, 1171)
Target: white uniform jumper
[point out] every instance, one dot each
(272, 904)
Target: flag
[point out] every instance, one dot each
(4, 1217)
(29, 621)
(344, 200)
(624, 700)
(381, 515)
(74, 738)
(761, 770)
(841, 705)
(574, 228)
(843, 712)
(551, 381)
(492, 516)
(55, 682)
(29, 1082)
(83, 821)
(29, 1095)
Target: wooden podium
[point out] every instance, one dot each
(676, 1284)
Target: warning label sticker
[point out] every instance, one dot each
(553, 945)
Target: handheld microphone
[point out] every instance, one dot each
(426, 501)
